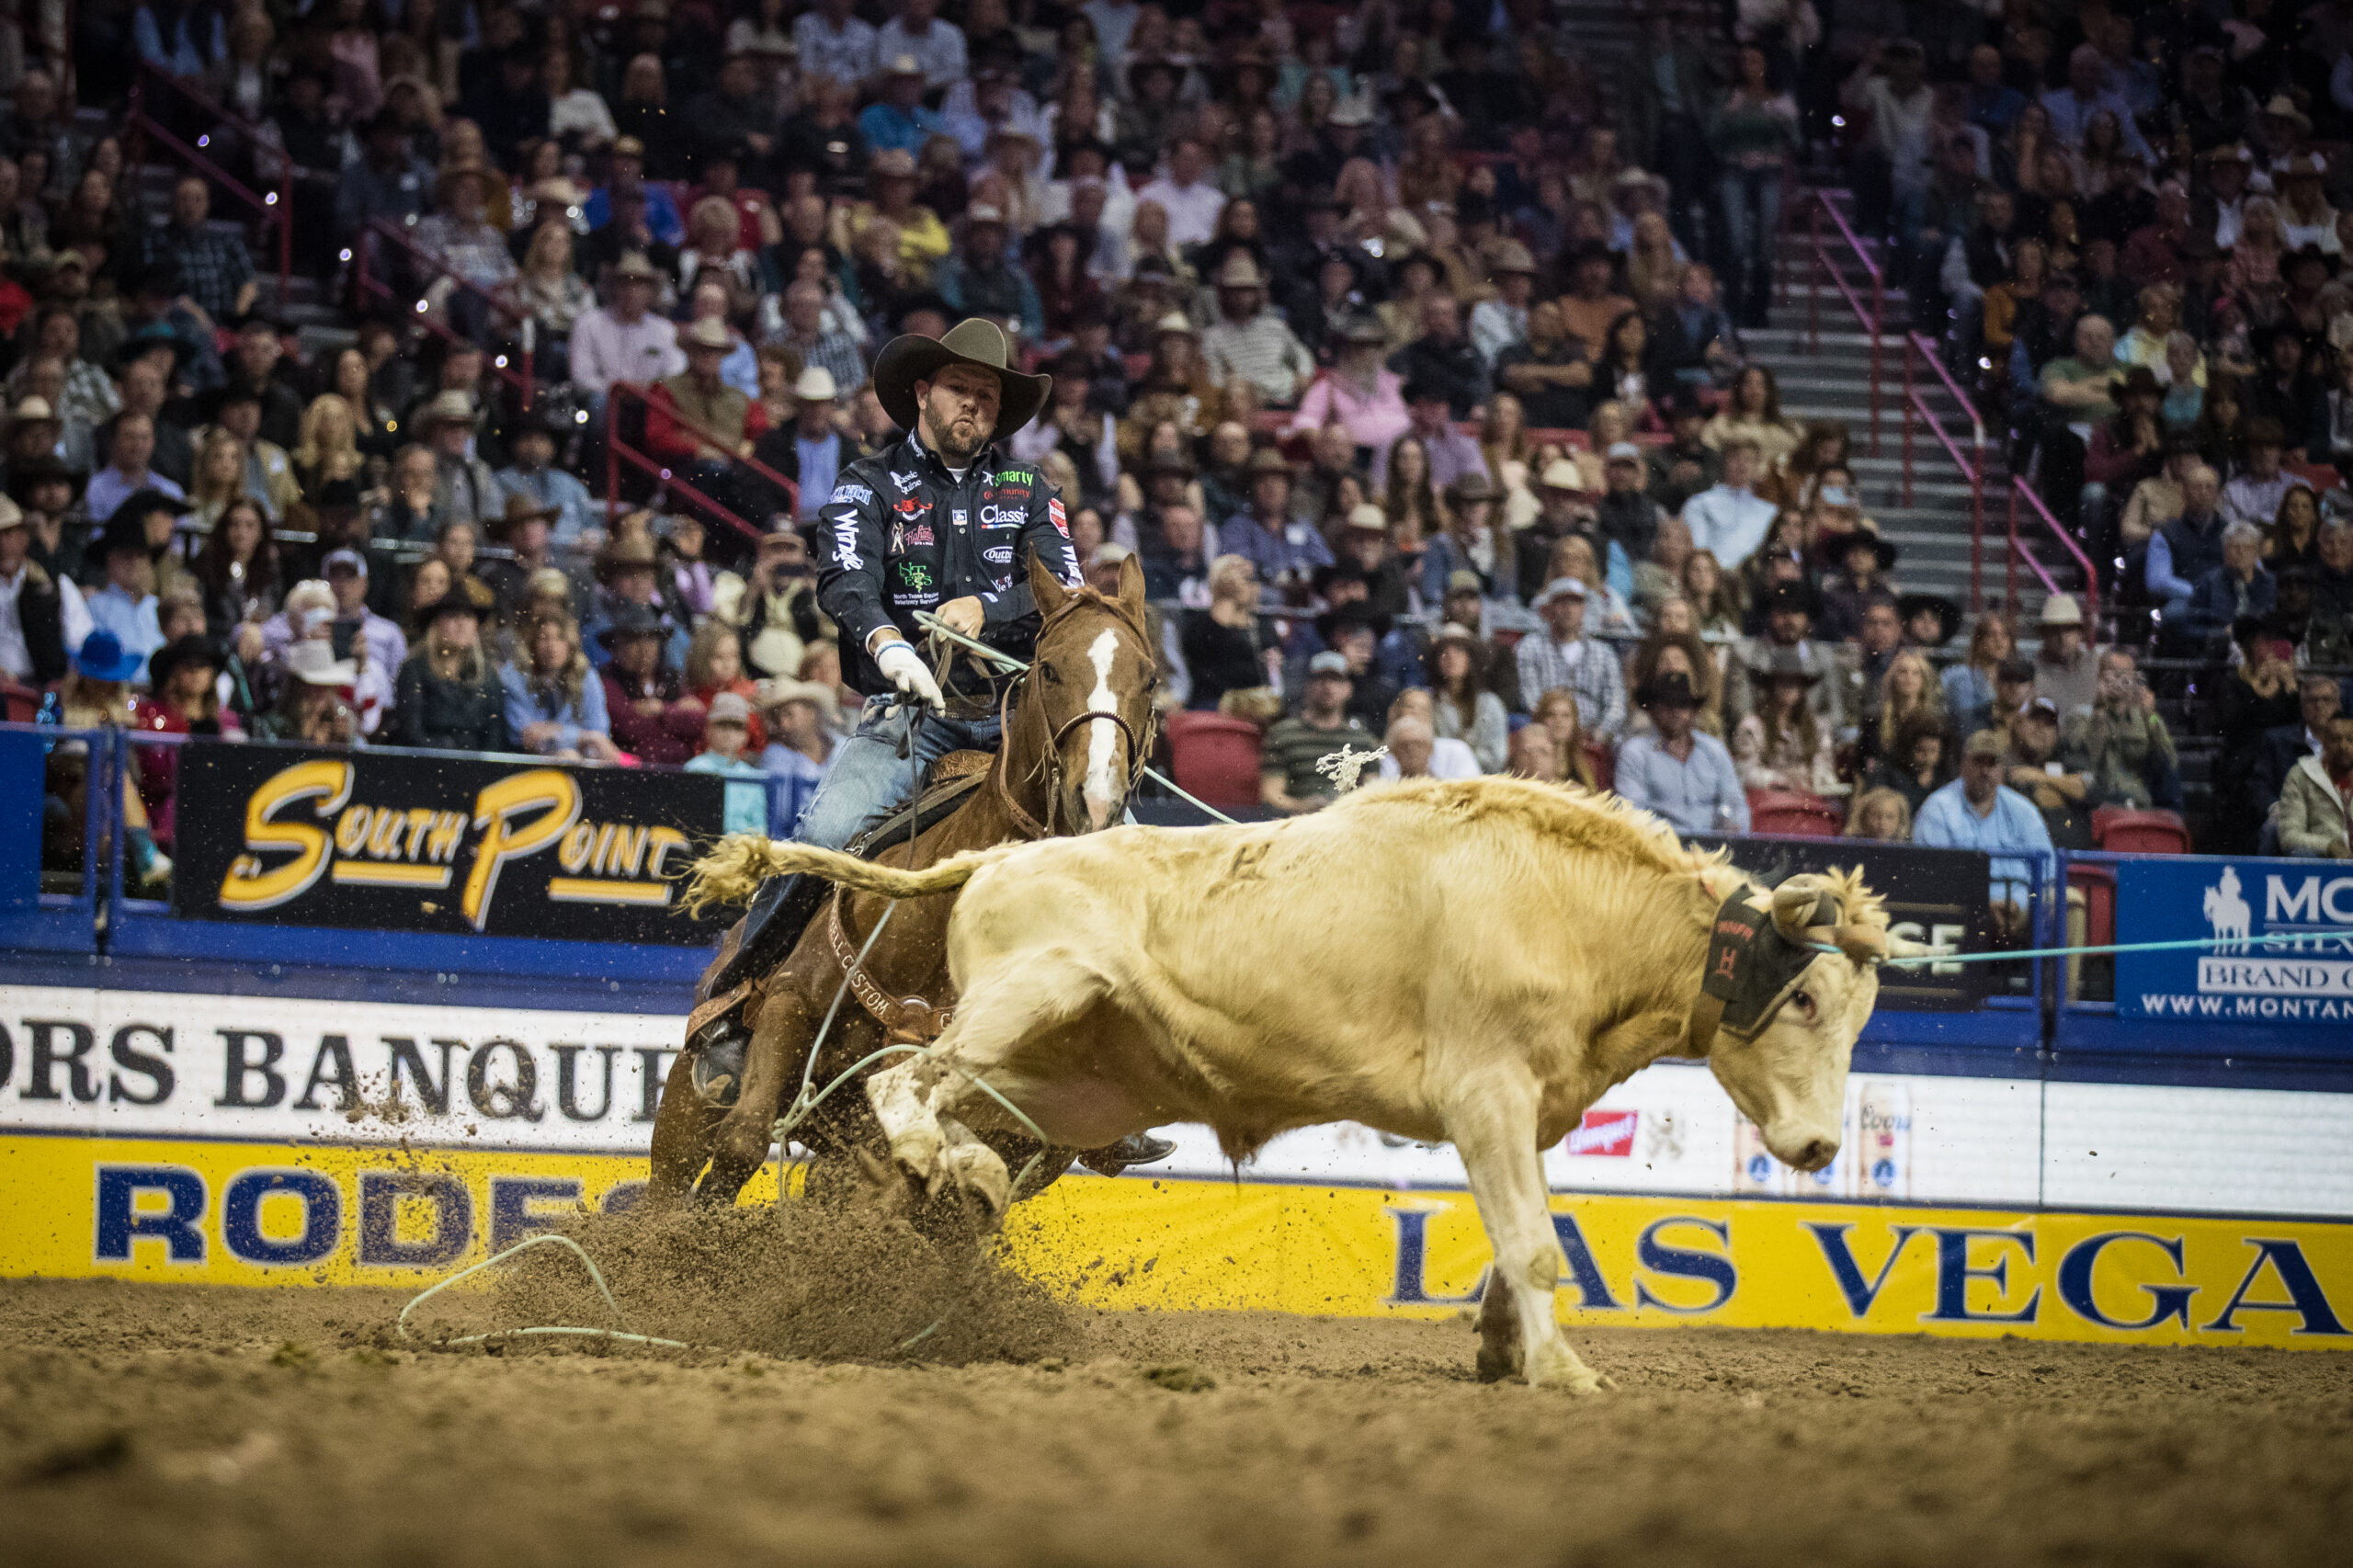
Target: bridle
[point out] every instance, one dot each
(1050, 764)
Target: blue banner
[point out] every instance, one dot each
(2283, 931)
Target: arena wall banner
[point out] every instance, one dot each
(1938, 896)
(265, 1214)
(374, 841)
(2305, 982)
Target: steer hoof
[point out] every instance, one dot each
(975, 1170)
(1498, 1364)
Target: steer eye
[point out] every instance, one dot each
(1803, 1002)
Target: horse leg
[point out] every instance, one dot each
(681, 1137)
(1491, 1121)
(739, 1142)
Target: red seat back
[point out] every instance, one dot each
(19, 704)
(1792, 815)
(1215, 758)
(2097, 884)
(2122, 831)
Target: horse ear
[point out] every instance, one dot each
(1132, 586)
(1045, 586)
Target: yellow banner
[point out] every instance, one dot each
(263, 1214)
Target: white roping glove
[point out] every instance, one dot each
(899, 660)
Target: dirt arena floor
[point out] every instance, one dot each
(153, 1423)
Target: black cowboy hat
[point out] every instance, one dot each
(1338, 621)
(1947, 614)
(23, 477)
(982, 344)
(193, 649)
(454, 602)
(1671, 689)
(630, 620)
(1831, 548)
(126, 527)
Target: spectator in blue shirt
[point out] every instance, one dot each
(804, 717)
(1977, 811)
(725, 730)
(125, 607)
(896, 118)
(1990, 103)
(555, 704)
(1683, 774)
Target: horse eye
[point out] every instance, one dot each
(1052, 675)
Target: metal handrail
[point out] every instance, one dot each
(617, 452)
(1917, 411)
(275, 210)
(364, 280)
(1873, 320)
(2019, 487)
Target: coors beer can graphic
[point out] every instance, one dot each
(1882, 1156)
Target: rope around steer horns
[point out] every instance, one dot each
(1999, 956)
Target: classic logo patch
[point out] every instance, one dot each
(855, 492)
(1001, 517)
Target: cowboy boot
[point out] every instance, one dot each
(1135, 1148)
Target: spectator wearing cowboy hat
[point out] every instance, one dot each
(535, 486)
(1463, 709)
(628, 573)
(1250, 343)
(803, 718)
(446, 697)
(1501, 322)
(982, 277)
(623, 340)
(813, 449)
(1860, 563)
(41, 614)
(1562, 655)
(897, 121)
(463, 485)
(1930, 620)
(642, 698)
(1285, 548)
(1364, 396)
(726, 728)
(1676, 769)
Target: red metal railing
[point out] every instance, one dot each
(1917, 413)
(1873, 319)
(365, 282)
(273, 209)
(619, 454)
(2020, 548)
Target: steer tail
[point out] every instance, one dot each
(732, 872)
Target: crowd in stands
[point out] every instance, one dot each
(1407, 359)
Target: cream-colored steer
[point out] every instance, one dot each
(1470, 961)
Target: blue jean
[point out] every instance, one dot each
(1750, 241)
(868, 776)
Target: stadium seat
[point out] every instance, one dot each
(1603, 763)
(2097, 884)
(1792, 815)
(2122, 831)
(1215, 758)
(19, 704)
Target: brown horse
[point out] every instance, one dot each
(1078, 731)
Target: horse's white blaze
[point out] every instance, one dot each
(1102, 735)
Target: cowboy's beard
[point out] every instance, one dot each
(954, 429)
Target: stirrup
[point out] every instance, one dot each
(1135, 1148)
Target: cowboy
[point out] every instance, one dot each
(1250, 343)
(935, 523)
(534, 479)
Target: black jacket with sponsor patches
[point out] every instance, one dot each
(901, 534)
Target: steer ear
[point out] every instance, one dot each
(1045, 586)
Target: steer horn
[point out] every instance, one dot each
(1797, 907)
